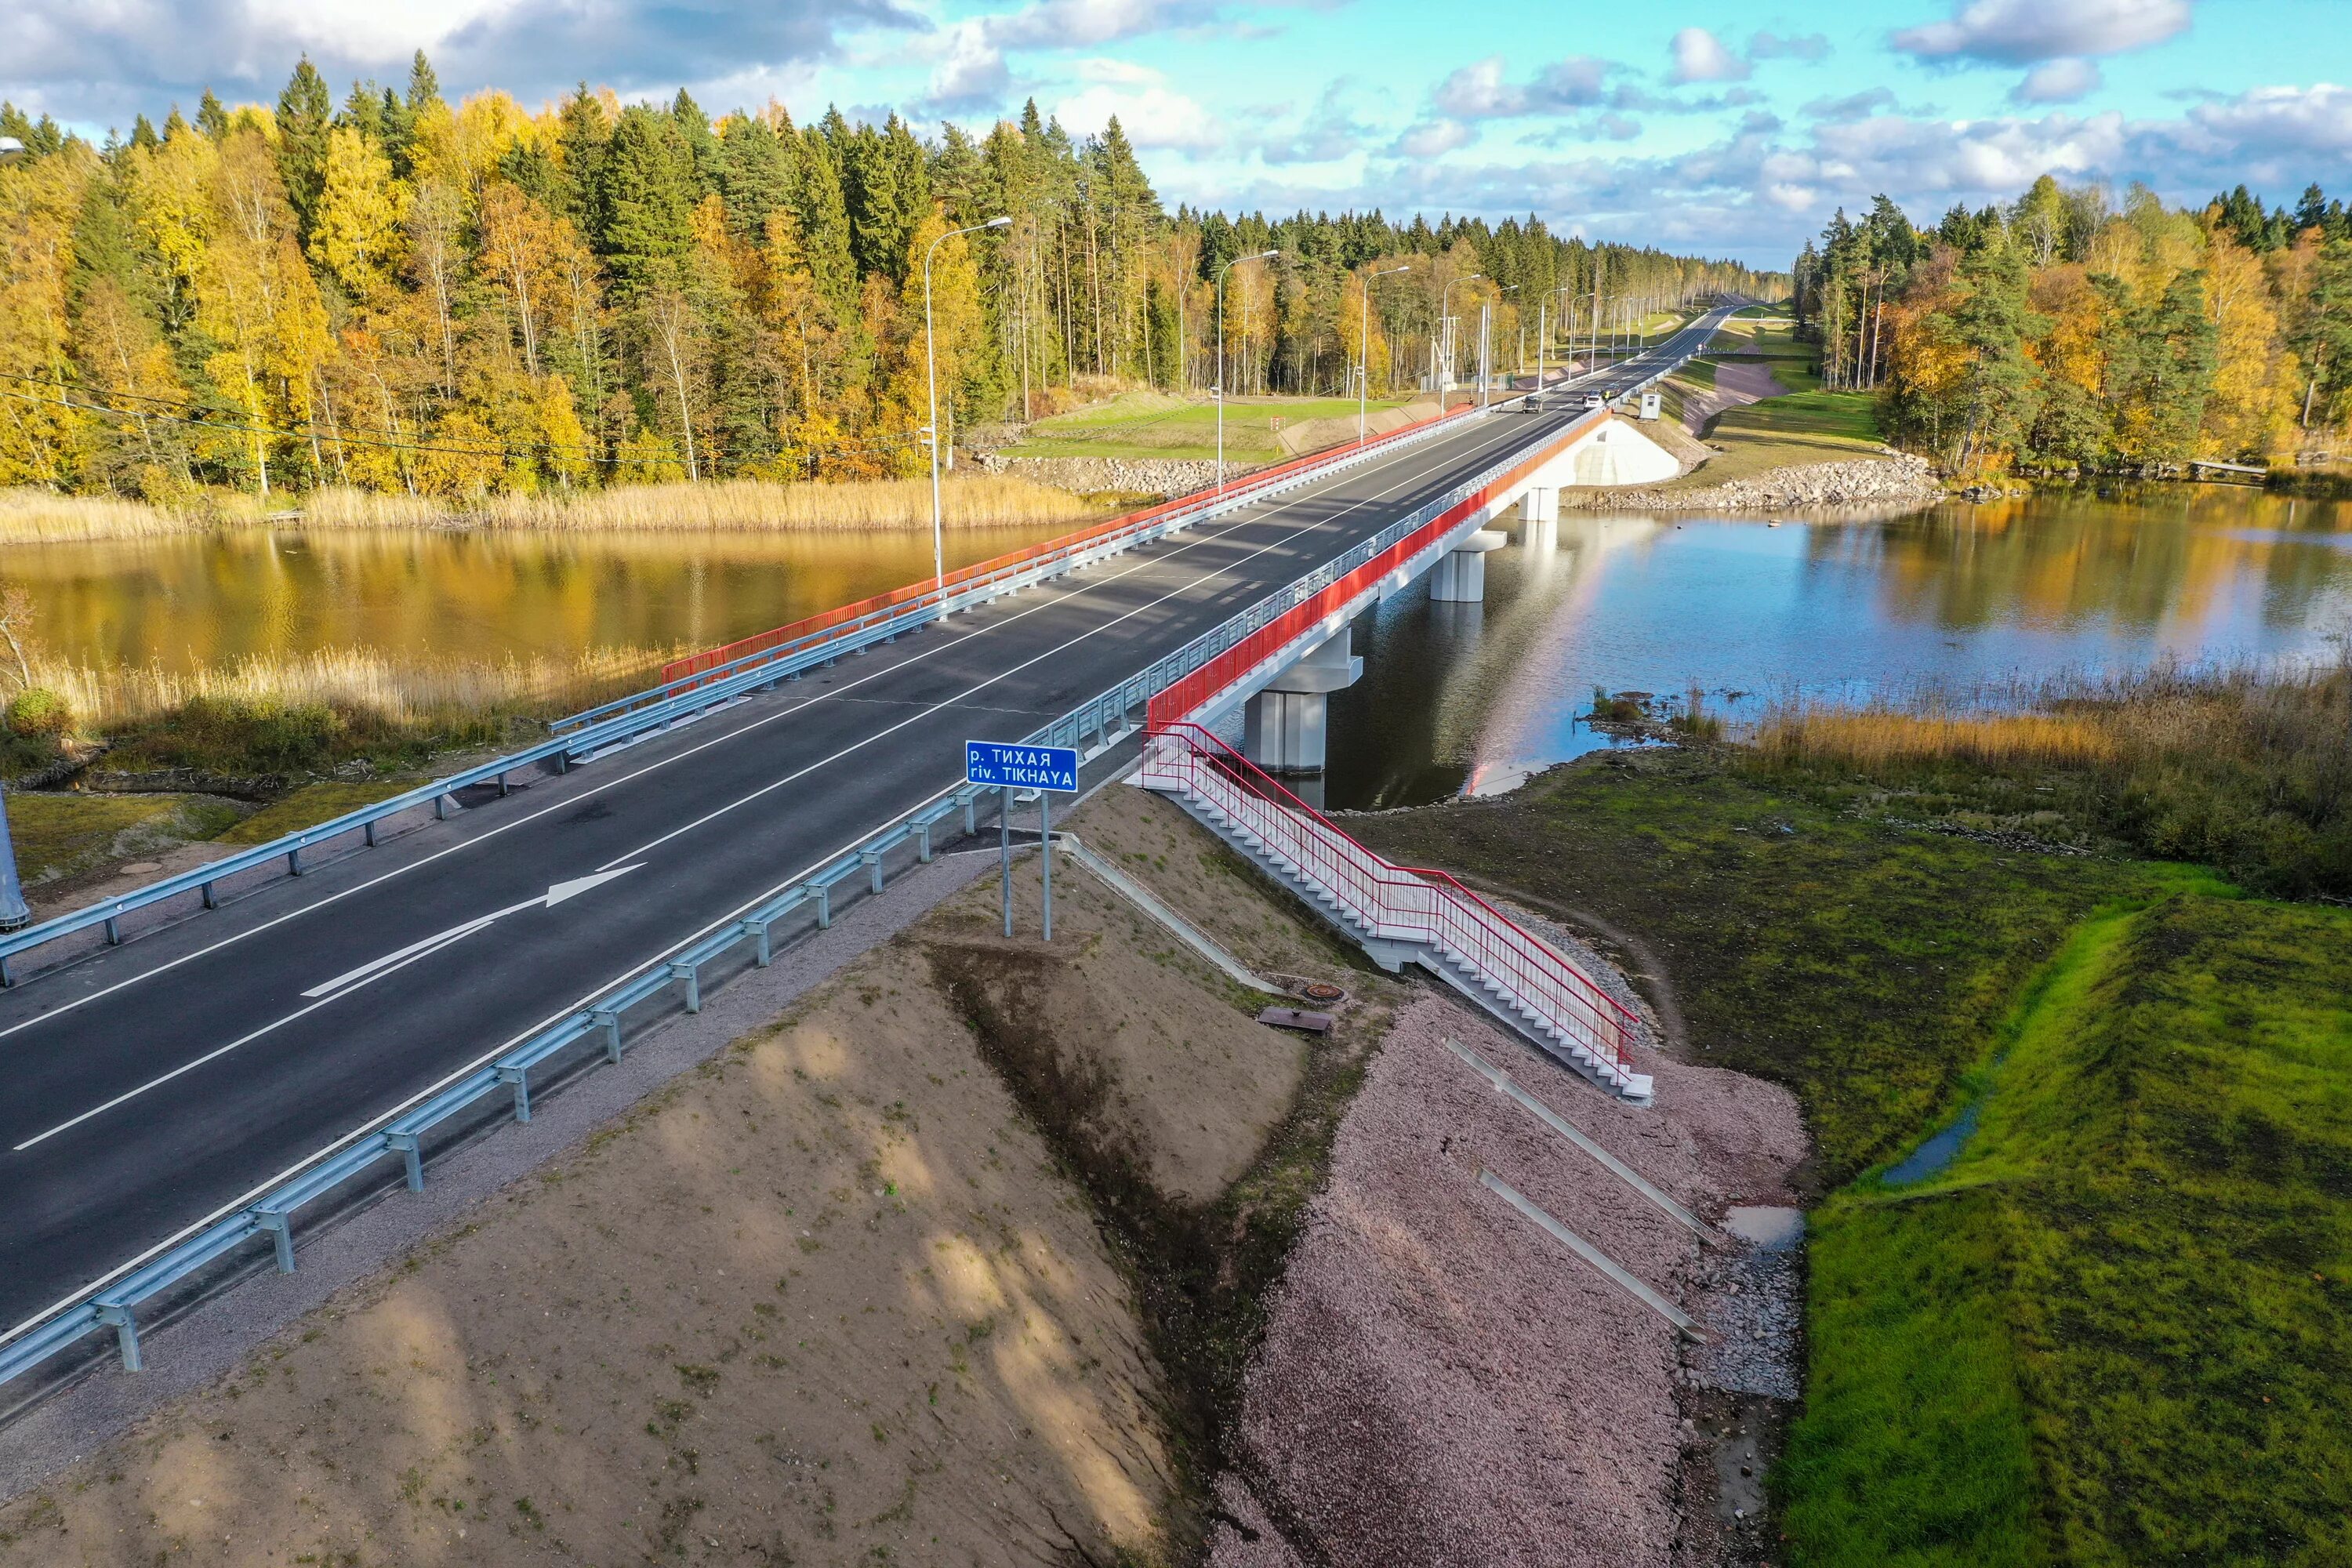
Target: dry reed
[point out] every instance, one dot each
(967, 501)
(419, 693)
(1876, 736)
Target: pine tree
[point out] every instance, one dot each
(754, 172)
(303, 113)
(142, 134)
(210, 118)
(693, 128)
(642, 225)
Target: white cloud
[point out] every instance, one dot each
(1852, 106)
(973, 75)
(1479, 91)
(2022, 32)
(1482, 91)
(1153, 114)
(1434, 138)
(1699, 55)
(2058, 81)
(2310, 122)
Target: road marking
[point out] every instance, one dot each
(1067, 594)
(343, 985)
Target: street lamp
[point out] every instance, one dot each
(14, 911)
(1443, 295)
(1219, 390)
(1364, 348)
(1485, 372)
(932, 373)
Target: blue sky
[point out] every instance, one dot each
(1733, 129)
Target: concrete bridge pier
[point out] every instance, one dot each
(1284, 726)
(1539, 519)
(1460, 576)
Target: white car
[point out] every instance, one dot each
(1593, 400)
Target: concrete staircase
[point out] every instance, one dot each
(1400, 917)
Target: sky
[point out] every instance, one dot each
(1730, 129)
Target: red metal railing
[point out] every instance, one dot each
(1401, 903)
(981, 572)
(1186, 696)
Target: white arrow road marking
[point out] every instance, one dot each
(555, 895)
(343, 984)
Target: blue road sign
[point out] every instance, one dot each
(995, 762)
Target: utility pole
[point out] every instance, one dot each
(1444, 296)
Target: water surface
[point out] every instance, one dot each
(193, 600)
(1477, 696)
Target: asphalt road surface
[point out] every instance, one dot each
(154, 1083)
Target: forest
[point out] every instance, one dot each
(401, 293)
(2064, 334)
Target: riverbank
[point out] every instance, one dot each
(967, 500)
(1999, 1364)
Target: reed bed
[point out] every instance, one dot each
(2246, 767)
(44, 517)
(967, 501)
(419, 694)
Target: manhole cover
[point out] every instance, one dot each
(1320, 991)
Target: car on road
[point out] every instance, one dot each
(1593, 400)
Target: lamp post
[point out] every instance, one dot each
(931, 375)
(1444, 296)
(1364, 348)
(1485, 372)
(14, 911)
(1218, 390)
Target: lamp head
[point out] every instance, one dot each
(998, 223)
(10, 148)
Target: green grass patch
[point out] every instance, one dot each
(1155, 425)
(311, 805)
(2138, 1275)
(1697, 372)
(59, 834)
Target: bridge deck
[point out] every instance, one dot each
(232, 1072)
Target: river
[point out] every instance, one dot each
(1454, 697)
(1477, 696)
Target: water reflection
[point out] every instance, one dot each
(203, 599)
(1748, 610)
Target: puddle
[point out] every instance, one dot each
(1931, 1158)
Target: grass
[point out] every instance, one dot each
(1153, 425)
(966, 500)
(2117, 1328)
(59, 835)
(1798, 428)
(309, 807)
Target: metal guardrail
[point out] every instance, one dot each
(597, 1026)
(578, 735)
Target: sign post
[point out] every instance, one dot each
(1007, 767)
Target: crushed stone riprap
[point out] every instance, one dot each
(1444, 1383)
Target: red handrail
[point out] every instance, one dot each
(1188, 694)
(1013, 560)
(1414, 903)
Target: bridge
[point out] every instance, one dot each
(192, 1065)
